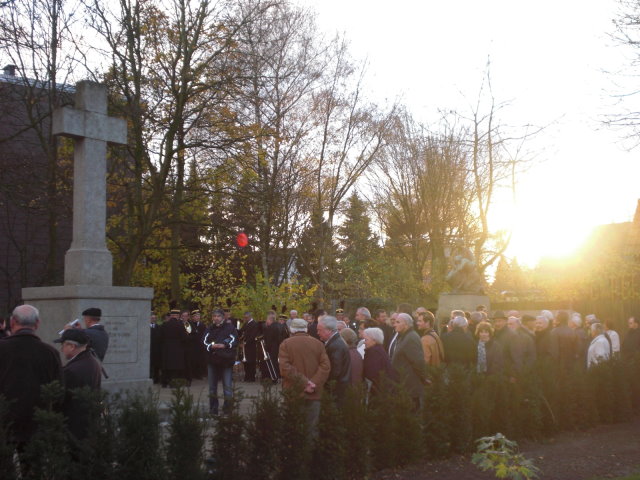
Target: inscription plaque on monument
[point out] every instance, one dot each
(123, 339)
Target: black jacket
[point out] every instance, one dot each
(249, 332)
(459, 348)
(174, 341)
(83, 370)
(99, 340)
(26, 363)
(338, 353)
(226, 334)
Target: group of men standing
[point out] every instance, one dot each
(27, 363)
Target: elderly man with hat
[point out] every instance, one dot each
(81, 370)
(174, 339)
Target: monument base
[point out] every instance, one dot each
(125, 316)
(458, 301)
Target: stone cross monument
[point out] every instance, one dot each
(88, 263)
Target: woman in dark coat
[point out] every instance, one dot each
(377, 365)
(489, 351)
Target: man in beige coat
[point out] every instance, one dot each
(304, 365)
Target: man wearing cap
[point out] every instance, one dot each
(98, 337)
(220, 341)
(304, 366)
(26, 363)
(82, 370)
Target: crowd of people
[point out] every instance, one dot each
(307, 353)
(316, 351)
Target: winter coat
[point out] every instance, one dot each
(226, 334)
(408, 362)
(26, 363)
(459, 348)
(303, 358)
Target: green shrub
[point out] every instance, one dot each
(7, 448)
(357, 434)
(48, 455)
(295, 437)
(138, 449)
(328, 453)
(229, 443)
(500, 455)
(263, 442)
(185, 443)
(435, 416)
(460, 423)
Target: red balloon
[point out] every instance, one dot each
(242, 240)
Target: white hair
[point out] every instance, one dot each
(547, 314)
(26, 315)
(406, 318)
(544, 319)
(375, 334)
(364, 311)
(576, 319)
(459, 321)
(301, 328)
(329, 322)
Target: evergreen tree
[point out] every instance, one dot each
(359, 256)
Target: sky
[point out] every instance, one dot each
(553, 63)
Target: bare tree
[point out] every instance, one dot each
(40, 42)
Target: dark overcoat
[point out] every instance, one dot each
(340, 359)
(99, 340)
(174, 338)
(83, 370)
(26, 363)
(408, 362)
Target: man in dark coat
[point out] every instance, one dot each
(82, 370)
(99, 338)
(248, 334)
(564, 343)
(459, 346)
(26, 364)
(273, 336)
(155, 350)
(174, 338)
(199, 353)
(523, 347)
(407, 358)
(631, 343)
(220, 342)
(339, 357)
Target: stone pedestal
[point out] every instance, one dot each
(459, 301)
(125, 316)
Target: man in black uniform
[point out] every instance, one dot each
(98, 337)
(26, 363)
(82, 370)
(199, 353)
(174, 338)
(155, 350)
(273, 337)
(248, 333)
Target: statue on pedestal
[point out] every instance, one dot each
(464, 276)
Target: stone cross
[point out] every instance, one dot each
(88, 261)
